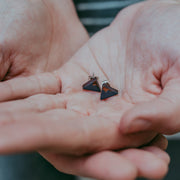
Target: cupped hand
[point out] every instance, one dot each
(155, 39)
(149, 161)
(37, 36)
(74, 121)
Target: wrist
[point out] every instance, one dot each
(68, 34)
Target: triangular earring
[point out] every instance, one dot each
(92, 84)
(107, 91)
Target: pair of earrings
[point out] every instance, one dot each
(93, 85)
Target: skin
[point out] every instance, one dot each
(162, 112)
(37, 36)
(71, 121)
(126, 164)
(67, 99)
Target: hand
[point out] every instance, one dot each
(37, 36)
(39, 130)
(94, 125)
(149, 162)
(156, 43)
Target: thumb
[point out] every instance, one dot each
(161, 114)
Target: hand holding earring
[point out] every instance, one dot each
(93, 85)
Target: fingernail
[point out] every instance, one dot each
(137, 125)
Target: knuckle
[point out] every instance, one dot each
(57, 78)
(40, 102)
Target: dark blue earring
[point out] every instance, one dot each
(92, 84)
(107, 91)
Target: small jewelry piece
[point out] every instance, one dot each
(107, 90)
(92, 84)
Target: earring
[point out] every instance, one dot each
(92, 84)
(107, 90)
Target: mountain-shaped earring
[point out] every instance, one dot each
(107, 91)
(92, 84)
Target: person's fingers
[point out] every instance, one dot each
(104, 165)
(37, 103)
(161, 115)
(56, 131)
(156, 146)
(127, 164)
(159, 141)
(22, 87)
(150, 163)
(158, 152)
(63, 131)
(91, 133)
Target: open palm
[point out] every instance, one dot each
(37, 36)
(74, 121)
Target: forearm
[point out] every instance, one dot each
(69, 27)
